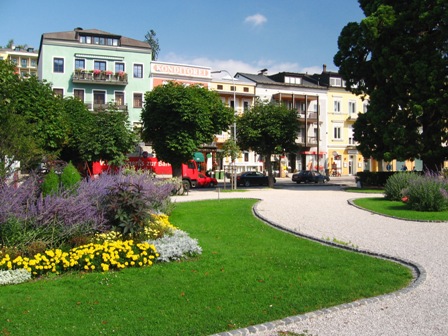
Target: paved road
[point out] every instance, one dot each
(324, 212)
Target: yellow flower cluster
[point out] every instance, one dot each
(159, 225)
(109, 255)
(109, 236)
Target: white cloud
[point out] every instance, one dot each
(256, 20)
(233, 66)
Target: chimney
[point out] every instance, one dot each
(263, 72)
(324, 68)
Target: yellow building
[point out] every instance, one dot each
(342, 111)
(25, 60)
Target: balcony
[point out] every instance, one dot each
(352, 116)
(99, 107)
(102, 78)
(310, 116)
(310, 141)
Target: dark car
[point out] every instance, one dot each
(251, 178)
(307, 176)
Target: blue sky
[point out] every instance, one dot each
(233, 35)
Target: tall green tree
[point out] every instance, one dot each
(397, 55)
(31, 119)
(177, 119)
(268, 129)
(153, 41)
(108, 136)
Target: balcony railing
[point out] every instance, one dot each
(101, 78)
(309, 115)
(97, 107)
(311, 141)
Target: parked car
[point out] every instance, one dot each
(307, 176)
(251, 178)
(206, 181)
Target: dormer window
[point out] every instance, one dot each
(335, 81)
(293, 80)
(100, 40)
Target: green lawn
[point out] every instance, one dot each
(399, 209)
(248, 273)
(365, 190)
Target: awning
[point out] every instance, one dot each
(198, 157)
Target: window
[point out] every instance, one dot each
(220, 87)
(232, 88)
(245, 89)
(33, 63)
(335, 81)
(138, 100)
(77, 93)
(337, 132)
(351, 140)
(58, 65)
(96, 40)
(58, 92)
(99, 97)
(99, 65)
(80, 64)
(365, 106)
(293, 80)
(24, 63)
(337, 106)
(138, 70)
(14, 61)
(246, 156)
(119, 98)
(119, 66)
(351, 108)
(246, 105)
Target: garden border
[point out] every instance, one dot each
(418, 272)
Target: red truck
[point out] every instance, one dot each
(190, 173)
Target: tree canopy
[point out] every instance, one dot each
(37, 125)
(102, 135)
(268, 129)
(177, 119)
(31, 119)
(397, 56)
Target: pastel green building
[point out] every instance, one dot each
(98, 68)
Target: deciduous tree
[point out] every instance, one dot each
(177, 119)
(397, 55)
(268, 129)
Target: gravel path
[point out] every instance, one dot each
(325, 213)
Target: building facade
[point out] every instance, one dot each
(342, 111)
(98, 68)
(25, 60)
(238, 94)
(299, 92)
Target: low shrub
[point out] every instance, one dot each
(12, 277)
(177, 246)
(393, 190)
(427, 193)
(50, 184)
(70, 177)
(57, 219)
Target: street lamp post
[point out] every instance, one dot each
(234, 121)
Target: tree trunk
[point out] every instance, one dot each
(268, 166)
(177, 172)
